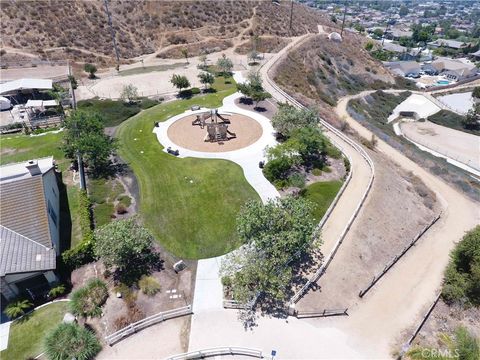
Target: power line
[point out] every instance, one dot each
(112, 32)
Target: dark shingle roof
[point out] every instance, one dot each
(23, 209)
(20, 254)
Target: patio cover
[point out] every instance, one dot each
(41, 103)
(22, 84)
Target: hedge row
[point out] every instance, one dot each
(83, 252)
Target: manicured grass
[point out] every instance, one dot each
(190, 205)
(22, 148)
(114, 112)
(322, 195)
(149, 69)
(27, 334)
(451, 120)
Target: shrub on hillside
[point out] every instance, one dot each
(462, 277)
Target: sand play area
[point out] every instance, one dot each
(192, 137)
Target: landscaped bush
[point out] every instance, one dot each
(56, 291)
(83, 252)
(17, 308)
(462, 277)
(121, 209)
(87, 301)
(147, 103)
(149, 285)
(71, 341)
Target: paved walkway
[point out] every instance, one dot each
(4, 334)
(208, 287)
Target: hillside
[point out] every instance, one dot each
(79, 29)
(320, 71)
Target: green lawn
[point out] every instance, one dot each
(22, 148)
(451, 120)
(190, 204)
(26, 335)
(322, 194)
(114, 112)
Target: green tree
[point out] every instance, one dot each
(17, 308)
(206, 79)
(462, 276)
(275, 235)
(258, 96)
(180, 82)
(126, 246)
(403, 11)
(184, 52)
(90, 69)
(471, 121)
(71, 341)
(288, 118)
(476, 92)
(203, 60)
(84, 133)
(225, 65)
(129, 93)
(378, 33)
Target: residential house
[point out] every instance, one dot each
(454, 69)
(29, 228)
(403, 53)
(452, 44)
(403, 68)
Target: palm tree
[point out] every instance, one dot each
(17, 308)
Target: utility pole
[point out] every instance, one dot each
(81, 170)
(291, 17)
(343, 22)
(112, 32)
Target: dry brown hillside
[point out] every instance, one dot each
(78, 29)
(320, 71)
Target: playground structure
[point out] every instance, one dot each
(217, 131)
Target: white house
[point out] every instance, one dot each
(29, 227)
(454, 69)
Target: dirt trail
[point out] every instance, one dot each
(399, 299)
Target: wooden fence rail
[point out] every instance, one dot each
(322, 313)
(148, 321)
(376, 278)
(218, 351)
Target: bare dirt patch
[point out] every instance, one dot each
(267, 108)
(398, 207)
(176, 291)
(189, 136)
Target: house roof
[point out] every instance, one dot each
(22, 84)
(451, 64)
(19, 254)
(454, 44)
(23, 207)
(404, 67)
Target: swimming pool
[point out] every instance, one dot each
(443, 82)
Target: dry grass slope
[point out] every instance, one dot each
(78, 29)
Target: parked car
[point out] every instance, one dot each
(413, 75)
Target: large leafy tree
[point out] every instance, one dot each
(253, 88)
(125, 246)
(275, 234)
(225, 65)
(206, 79)
(289, 118)
(84, 134)
(180, 82)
